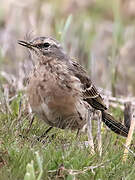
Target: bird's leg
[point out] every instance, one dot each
(78, 133)
(44, 134)
(30, 125)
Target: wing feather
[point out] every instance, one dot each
(90, 93)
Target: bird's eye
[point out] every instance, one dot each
(42, 45)
(46, 45)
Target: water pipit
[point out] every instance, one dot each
(59, 90)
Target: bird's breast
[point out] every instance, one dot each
(54, 86)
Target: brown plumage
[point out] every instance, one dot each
(60, 91)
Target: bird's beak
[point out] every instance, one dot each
(25, 44)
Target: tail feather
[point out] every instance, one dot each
(114, 125)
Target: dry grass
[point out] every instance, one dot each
(102, 39)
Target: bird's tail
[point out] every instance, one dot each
(115, 126)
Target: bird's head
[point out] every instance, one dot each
(44, 46)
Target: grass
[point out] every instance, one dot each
(61, 156)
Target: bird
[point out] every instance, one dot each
(59, 89)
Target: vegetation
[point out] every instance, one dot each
(102, 39)
(61, 155)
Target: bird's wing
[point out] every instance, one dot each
(90, 93)
(92, 96)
